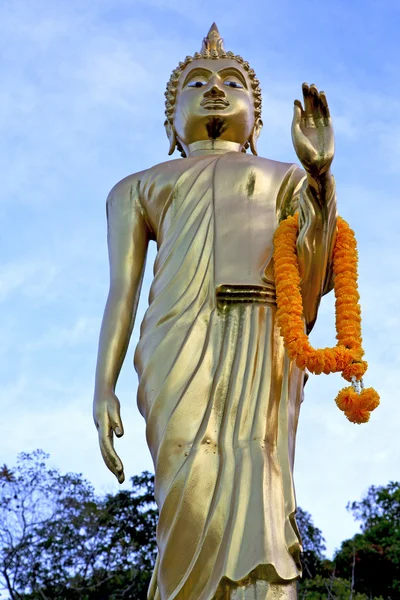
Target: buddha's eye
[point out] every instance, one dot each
(233, 84)
(196, 83)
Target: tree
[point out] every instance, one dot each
(58, 540)
(372, 558)
(323, 579)
(30, 496)
(313, 544)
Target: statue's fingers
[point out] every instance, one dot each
(324, 106)
(299, 105)
(115, 418)
(308, 106)
(315, 103)
(298, 113)
(109, 455)
(307, 99)
(297, 133)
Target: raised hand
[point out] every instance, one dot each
(312, 132)
(107, 418)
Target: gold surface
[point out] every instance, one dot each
(218, 393)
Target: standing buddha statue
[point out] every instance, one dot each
(217, 389)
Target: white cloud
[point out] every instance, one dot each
(28, 278)
(83, 329)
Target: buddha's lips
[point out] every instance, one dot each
(214, 103)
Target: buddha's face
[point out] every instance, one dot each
(214, 101)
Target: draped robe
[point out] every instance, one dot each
(218, 392)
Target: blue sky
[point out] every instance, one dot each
(81, 106)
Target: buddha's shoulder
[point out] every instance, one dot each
(136, 180)
(259, 163)
(126, 187)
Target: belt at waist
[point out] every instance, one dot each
(228, 294)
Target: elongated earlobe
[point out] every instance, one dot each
(254, 136)
(171, 135)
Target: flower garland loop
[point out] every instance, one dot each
(347, 356)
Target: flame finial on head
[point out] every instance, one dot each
(213, 44)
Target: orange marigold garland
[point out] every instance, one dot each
(346, 357)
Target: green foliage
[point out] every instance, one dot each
(58, 540)
(367, 567)
(372, 558)
(380, 507)
(321, 588)
(313, 544)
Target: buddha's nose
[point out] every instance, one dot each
(214, 92)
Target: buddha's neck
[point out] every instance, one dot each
(205, 147)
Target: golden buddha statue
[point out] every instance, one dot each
(217, 390)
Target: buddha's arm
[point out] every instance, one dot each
(315, 201)
(313, 140)
(317, 233)
(128, 237)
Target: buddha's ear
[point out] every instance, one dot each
(254, 135)
(171, 135)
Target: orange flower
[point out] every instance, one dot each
(355, 369)
(370, 399)
(346, 356)
(358, 415)
(345, 398)
(357, 407)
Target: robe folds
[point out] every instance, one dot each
(218, 392)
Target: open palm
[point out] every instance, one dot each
(312, 132)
